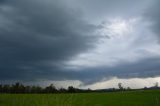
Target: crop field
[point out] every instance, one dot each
(129, 98)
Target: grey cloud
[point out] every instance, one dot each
(98, 10)
(141, 69)
(153, 15)
(37, 36)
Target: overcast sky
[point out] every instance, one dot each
(84, 43)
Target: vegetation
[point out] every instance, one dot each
(128, 98)
(20, 88)
(19, 95)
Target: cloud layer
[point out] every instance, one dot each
(37, 36)
(85, 41)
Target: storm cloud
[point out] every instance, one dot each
(37, 36)
(86, 41)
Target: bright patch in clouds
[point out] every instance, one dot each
(120, 27)
(132, 83)
(117, 27)
(120, 41)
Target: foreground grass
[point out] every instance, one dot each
(136, 98)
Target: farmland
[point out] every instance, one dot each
(128, 98)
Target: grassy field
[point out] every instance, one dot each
(136, 98)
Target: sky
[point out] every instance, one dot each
(84, 43)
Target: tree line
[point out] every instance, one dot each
(20, 88)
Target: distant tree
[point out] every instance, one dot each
(1, 89)
(17, 88)
(28, 89)
(156, 85)
(89, 90)
(113, 89)
(33, 89)
(120, 86)
(145, 87)
(71, 89)
(38, 89)
(128, 88)
(51, 89)
(62, 90)
(6, 88)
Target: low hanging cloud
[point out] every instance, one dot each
(133, 83)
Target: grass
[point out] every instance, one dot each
(134, 98)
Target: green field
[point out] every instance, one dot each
(136, 98)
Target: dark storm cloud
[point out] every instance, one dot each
(2, 1)
(36, 36)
